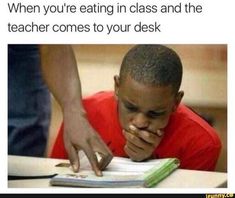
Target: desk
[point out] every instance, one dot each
(180, 178)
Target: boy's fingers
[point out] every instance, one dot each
(138, 144)
(148, 137)
(135, 131)
(130, 152)
(140, 137)
(143, 139)
(134, 147)
(132, 128)
(159, 132)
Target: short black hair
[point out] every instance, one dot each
(153, 65)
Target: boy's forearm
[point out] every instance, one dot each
(59, 69)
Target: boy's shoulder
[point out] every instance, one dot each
(187, 114)
(194, 125)
(101, 104)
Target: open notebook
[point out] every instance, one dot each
(121, 172)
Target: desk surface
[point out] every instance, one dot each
(29, 166)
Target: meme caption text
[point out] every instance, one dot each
(110, 11)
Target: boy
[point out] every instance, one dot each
(144, 117)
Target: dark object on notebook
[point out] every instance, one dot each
(17, 177)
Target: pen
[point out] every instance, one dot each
(18, 177)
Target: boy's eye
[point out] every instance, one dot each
(131, 108)
(154, 114)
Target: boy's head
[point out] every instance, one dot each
(148, 87)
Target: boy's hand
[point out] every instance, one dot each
(79, 135)
(140, 144)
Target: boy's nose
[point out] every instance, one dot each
(140, 121)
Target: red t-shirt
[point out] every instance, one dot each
(187, 136)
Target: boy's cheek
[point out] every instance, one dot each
(160, 123)
(124, 119)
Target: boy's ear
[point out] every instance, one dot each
(116, 84)
(178, 99)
